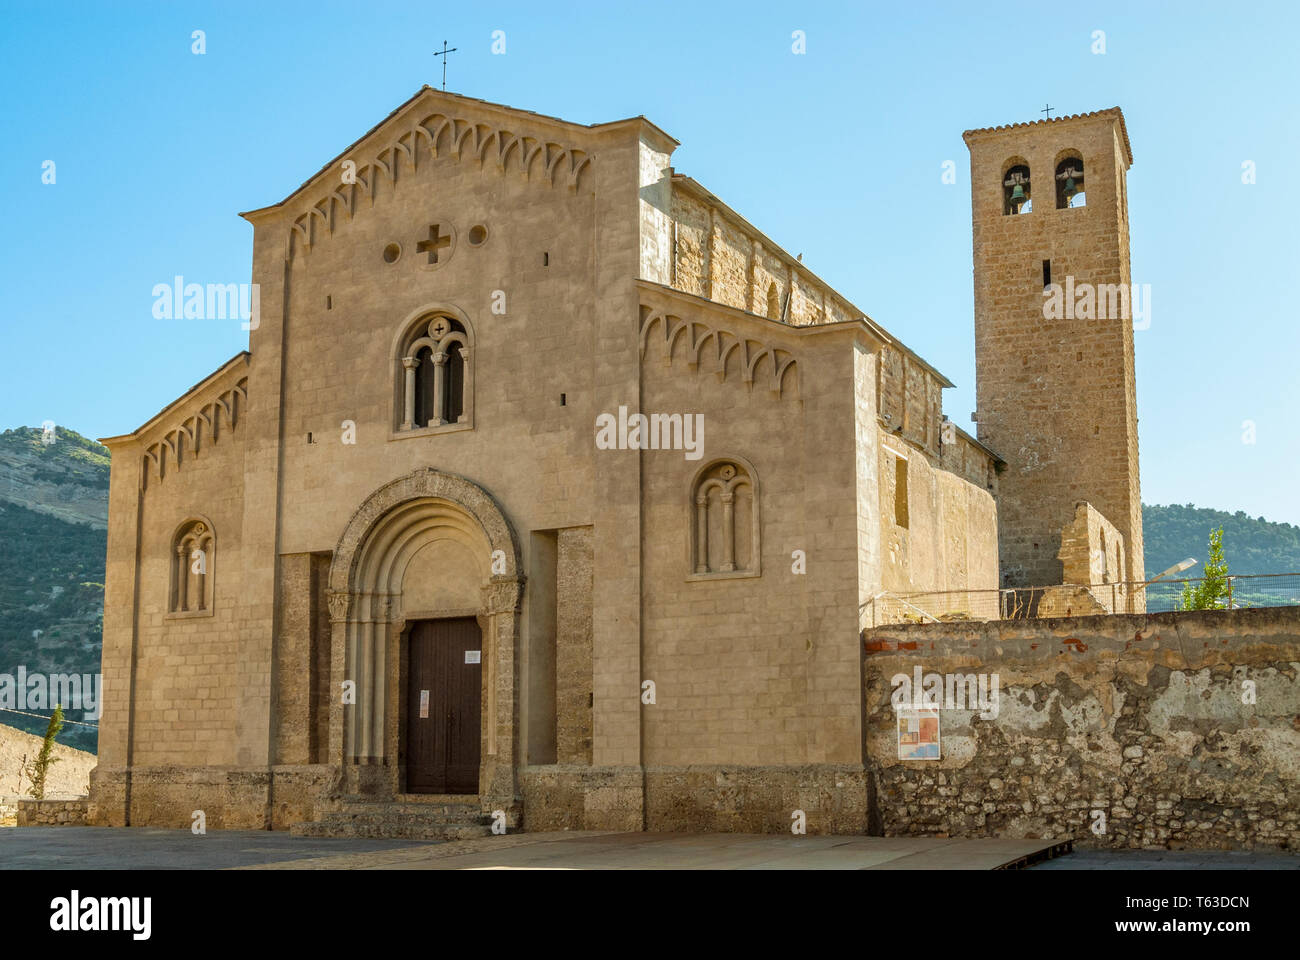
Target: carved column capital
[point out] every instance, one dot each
(340, 605)
(503, 594)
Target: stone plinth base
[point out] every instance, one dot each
(230, 798)
(834, 799)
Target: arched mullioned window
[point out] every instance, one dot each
(1069, 182)
(724, 528)
(1016, 193)
(193, 565)
(436, 388)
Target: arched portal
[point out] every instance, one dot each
(429, 546)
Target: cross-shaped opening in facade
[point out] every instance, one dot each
(437, 240)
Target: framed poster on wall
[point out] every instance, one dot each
(918, 734)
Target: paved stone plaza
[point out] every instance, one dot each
(94, 848)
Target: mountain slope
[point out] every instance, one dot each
(53, 538)
(67, 479)
(1250, 544)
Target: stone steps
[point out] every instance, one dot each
(404, 818)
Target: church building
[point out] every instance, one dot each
(551, 493)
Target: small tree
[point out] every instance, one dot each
(1213, 590)
(41, 766)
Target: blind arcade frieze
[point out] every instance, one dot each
(534, 159)
(197, 430)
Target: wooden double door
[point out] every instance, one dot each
(443, 693)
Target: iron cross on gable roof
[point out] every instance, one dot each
(443, 53)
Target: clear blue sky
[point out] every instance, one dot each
(835, 154)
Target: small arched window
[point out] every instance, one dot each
(436, 387)
(1069, 183)
(724, 526)
(773, 302)
(1016, 195)
(193, 564)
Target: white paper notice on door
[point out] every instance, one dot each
(424, 704)
(473, 656)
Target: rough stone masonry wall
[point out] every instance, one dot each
(949, 542)
(1139, 717)
(302, 668)
(52, 813)
(573, 691)
(722, 258)
(1092, 570)
(1092, 549)
(1055, 397)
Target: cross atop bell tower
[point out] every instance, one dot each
(1055, 384)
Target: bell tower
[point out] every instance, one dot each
(1054, 320)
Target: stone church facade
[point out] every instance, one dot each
(381, 566)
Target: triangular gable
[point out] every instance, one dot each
(539, 149)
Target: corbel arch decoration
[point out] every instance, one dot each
(719, 351)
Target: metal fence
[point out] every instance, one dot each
(1031, 603)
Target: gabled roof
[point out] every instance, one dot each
(993, 454)
(428, 93)
(1110, 112)
(243, 356)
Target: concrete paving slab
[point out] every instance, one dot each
(1091, 859)
(645, 851)
(92, 848)
(101, 848)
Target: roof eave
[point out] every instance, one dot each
(206, 381)
(1116, 112)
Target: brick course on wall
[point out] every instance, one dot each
(1138, 717)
